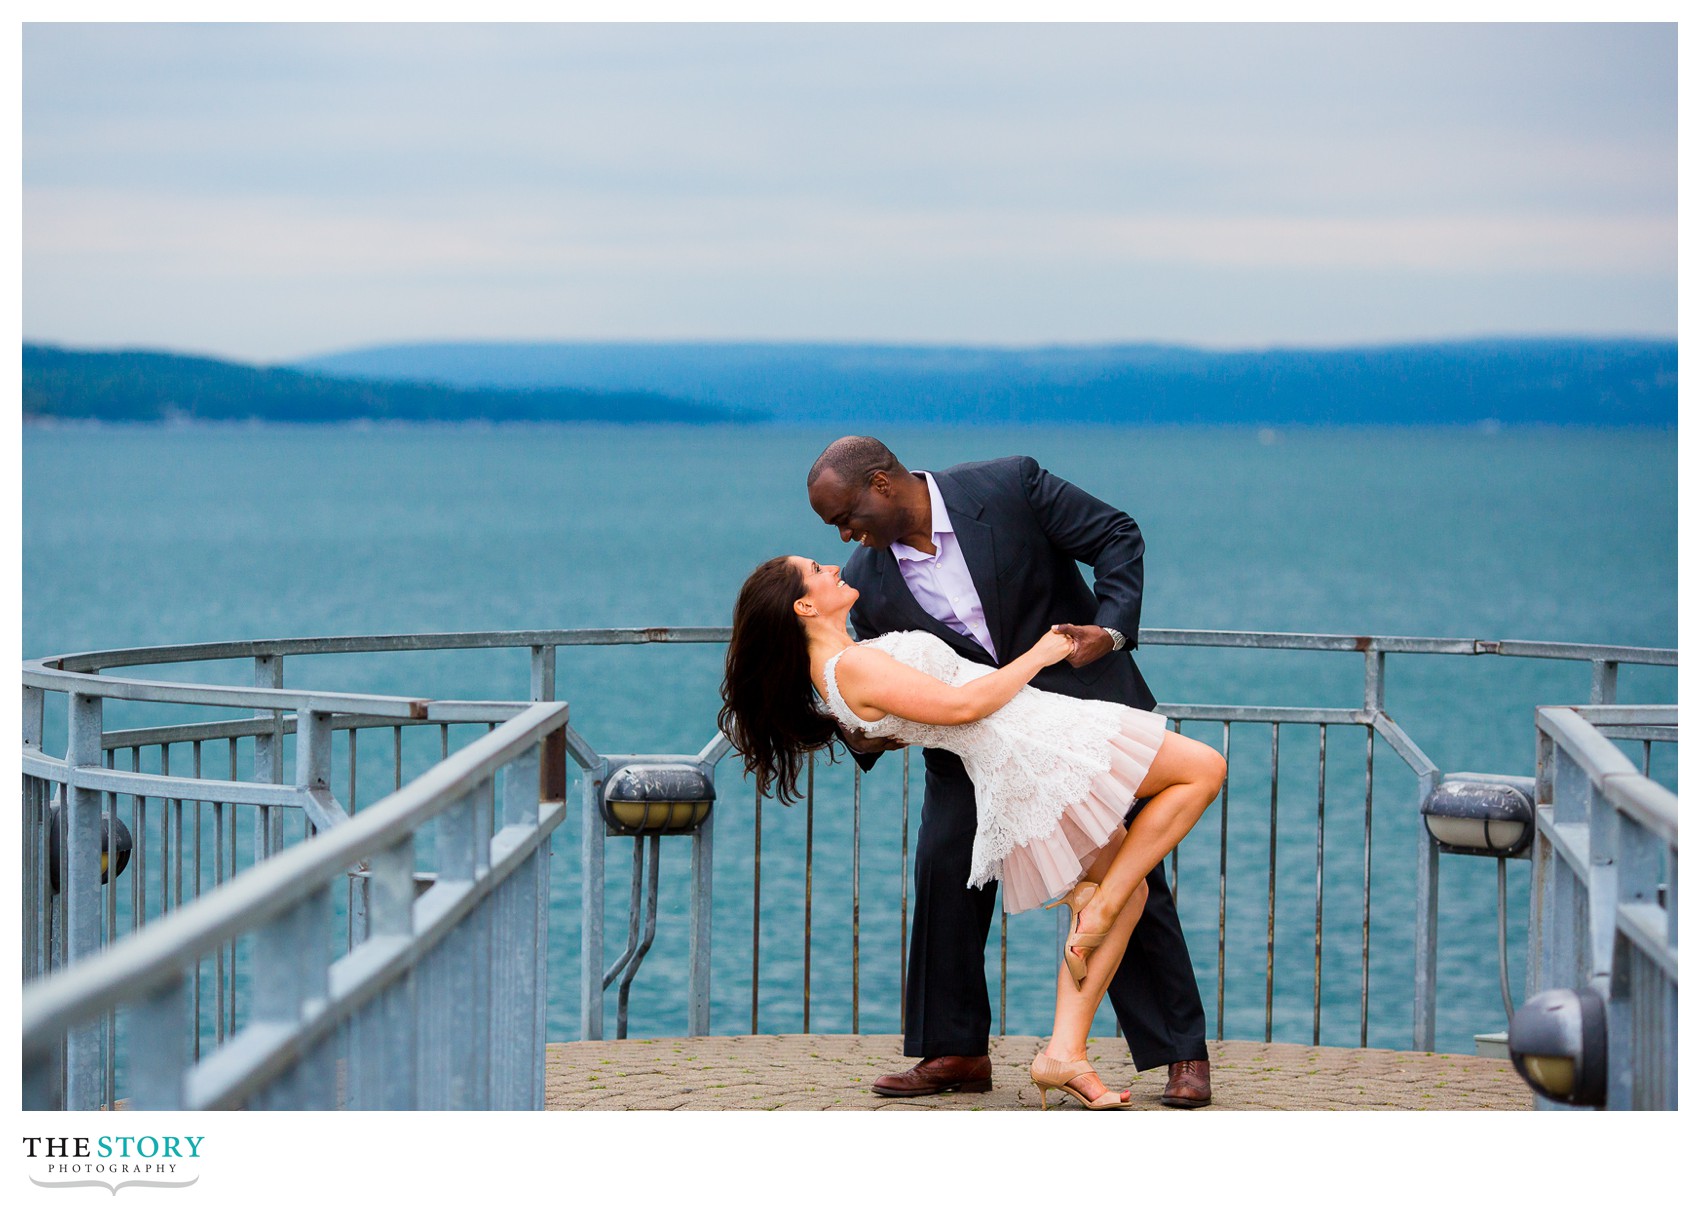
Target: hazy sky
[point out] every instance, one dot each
(272, 191)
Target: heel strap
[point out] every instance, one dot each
(1076, 897)
(1049, 1071)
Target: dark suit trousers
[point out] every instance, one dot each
(947, 1011)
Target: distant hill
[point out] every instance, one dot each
(144, 386)
(1512, 381)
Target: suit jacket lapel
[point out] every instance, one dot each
(895, 591)
(979, 550)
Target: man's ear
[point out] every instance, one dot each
(880, 483)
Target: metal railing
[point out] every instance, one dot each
(440, 1005)
(188, 846)
(1603, 903)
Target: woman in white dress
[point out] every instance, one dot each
(1053, 775)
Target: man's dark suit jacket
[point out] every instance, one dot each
(1021, 531)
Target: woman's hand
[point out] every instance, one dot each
(1053, 646)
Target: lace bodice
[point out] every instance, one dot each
(1027, 759)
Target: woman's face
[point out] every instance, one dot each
(823, 586)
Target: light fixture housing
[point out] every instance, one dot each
(1491, 815)
(644, 798)
(1558, 1045)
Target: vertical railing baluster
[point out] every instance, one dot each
(138, 891)
(158, 1049)
(702, 914)
(1321, 814)
(268, 758)
(195, 755)
(398, 757)
(1003, 967)
(903, 907)
(856, 901)
(80, 889)
(1269, 952)
(353, 769)
(1222, 888)
(382, 1061)
(230, 869)
(755, 931)
(1175, 854)
(592, 845)
(1369, 831)
(221, 951)
(520, 1017)
(138, 859)
(808, 888)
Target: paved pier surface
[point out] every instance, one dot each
(836, 1073)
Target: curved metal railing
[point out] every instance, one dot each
(164, 877)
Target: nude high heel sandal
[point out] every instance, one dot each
(1079, 945)
(1052, 1074)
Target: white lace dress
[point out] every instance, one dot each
(1053, 776)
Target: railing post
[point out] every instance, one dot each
(382, 1070)
(268, 757)
(518, 987)
(289, 968)
(542, 673)
(34, 698)
(1428, 925)
(702, 916)
(159, 1053)
(1604, 683)
(80, 885)
(1375, 679)
(455, 998)
(591, 890)
(1541, 860)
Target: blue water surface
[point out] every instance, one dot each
(153, 535)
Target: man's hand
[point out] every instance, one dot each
(861, 742)
(1090, 642)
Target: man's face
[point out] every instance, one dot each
(868, 514)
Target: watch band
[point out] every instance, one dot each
(1118, 641)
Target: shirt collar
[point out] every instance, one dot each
(941, 525)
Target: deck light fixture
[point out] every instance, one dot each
(1558, 1045)
(644, 798)
(1481, 814)
(113, 858)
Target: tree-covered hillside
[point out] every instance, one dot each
(147, 386)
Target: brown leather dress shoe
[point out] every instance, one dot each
(937, 1074)
(1188, 1085)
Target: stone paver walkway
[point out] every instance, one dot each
(835, 1073)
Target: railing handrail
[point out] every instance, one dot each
(76, 672)
(157, 952)
(1625, 788)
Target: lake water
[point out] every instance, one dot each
(140, 536)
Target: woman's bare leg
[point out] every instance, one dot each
(1184, 778)
(1077, 1007)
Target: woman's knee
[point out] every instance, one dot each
(1181, 759)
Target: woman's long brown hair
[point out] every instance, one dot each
(771, 715)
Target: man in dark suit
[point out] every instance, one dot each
(984, 555)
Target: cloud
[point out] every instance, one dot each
(711, 166)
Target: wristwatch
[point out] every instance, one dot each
(1118, 641)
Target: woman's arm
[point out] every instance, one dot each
(875, 684)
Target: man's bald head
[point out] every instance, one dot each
(858, 487)
(854, 460)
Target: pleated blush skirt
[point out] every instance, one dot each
(1048, 867)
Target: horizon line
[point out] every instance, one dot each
(855, 343)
